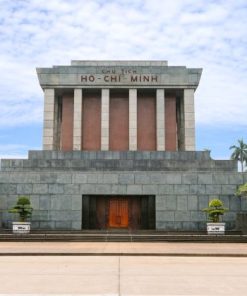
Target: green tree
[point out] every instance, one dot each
(215, 210)
(240, 153)
(23, 208)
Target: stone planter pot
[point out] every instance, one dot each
(21, 227)
(216, 228)
(241, 222)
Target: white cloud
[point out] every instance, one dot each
(13, 151)
(209, 34)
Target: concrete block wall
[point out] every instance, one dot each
(57, 196)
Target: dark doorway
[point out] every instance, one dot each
(118, 212)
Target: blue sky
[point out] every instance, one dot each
(207, 34)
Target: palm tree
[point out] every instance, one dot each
(240, 153)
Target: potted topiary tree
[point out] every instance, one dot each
(215, 210)
(24, 209)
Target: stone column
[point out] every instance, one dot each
(189, 120)
(49, 119)
(132, 119)
(105, 101)
(160, 119)
(77, 126)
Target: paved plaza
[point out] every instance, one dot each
(116, 275)
(109, 274)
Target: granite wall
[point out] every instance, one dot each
(181, 190)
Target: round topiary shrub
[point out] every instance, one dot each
(217, 203)
(215, 210)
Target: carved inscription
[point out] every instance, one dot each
(111, 75)
(143, 78)
(120, 78)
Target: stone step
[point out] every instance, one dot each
(124, 237)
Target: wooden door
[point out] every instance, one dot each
(118, 213)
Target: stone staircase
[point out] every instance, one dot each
(123, 236)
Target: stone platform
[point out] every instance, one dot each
(199, 161)
(181, 182)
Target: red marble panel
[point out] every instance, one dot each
(170, 124)
(91, 120)
(146, 121)
(67, 123)
(119, 121)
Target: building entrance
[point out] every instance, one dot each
(118, 212)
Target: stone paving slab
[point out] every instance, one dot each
(63, 275)
(123, 249)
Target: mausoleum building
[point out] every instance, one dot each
(119, 106)
(119, 152)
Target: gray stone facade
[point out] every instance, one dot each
(182, 183)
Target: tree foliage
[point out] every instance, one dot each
(240, 153)
(215, 210)
(23, 208)
(242, 190)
